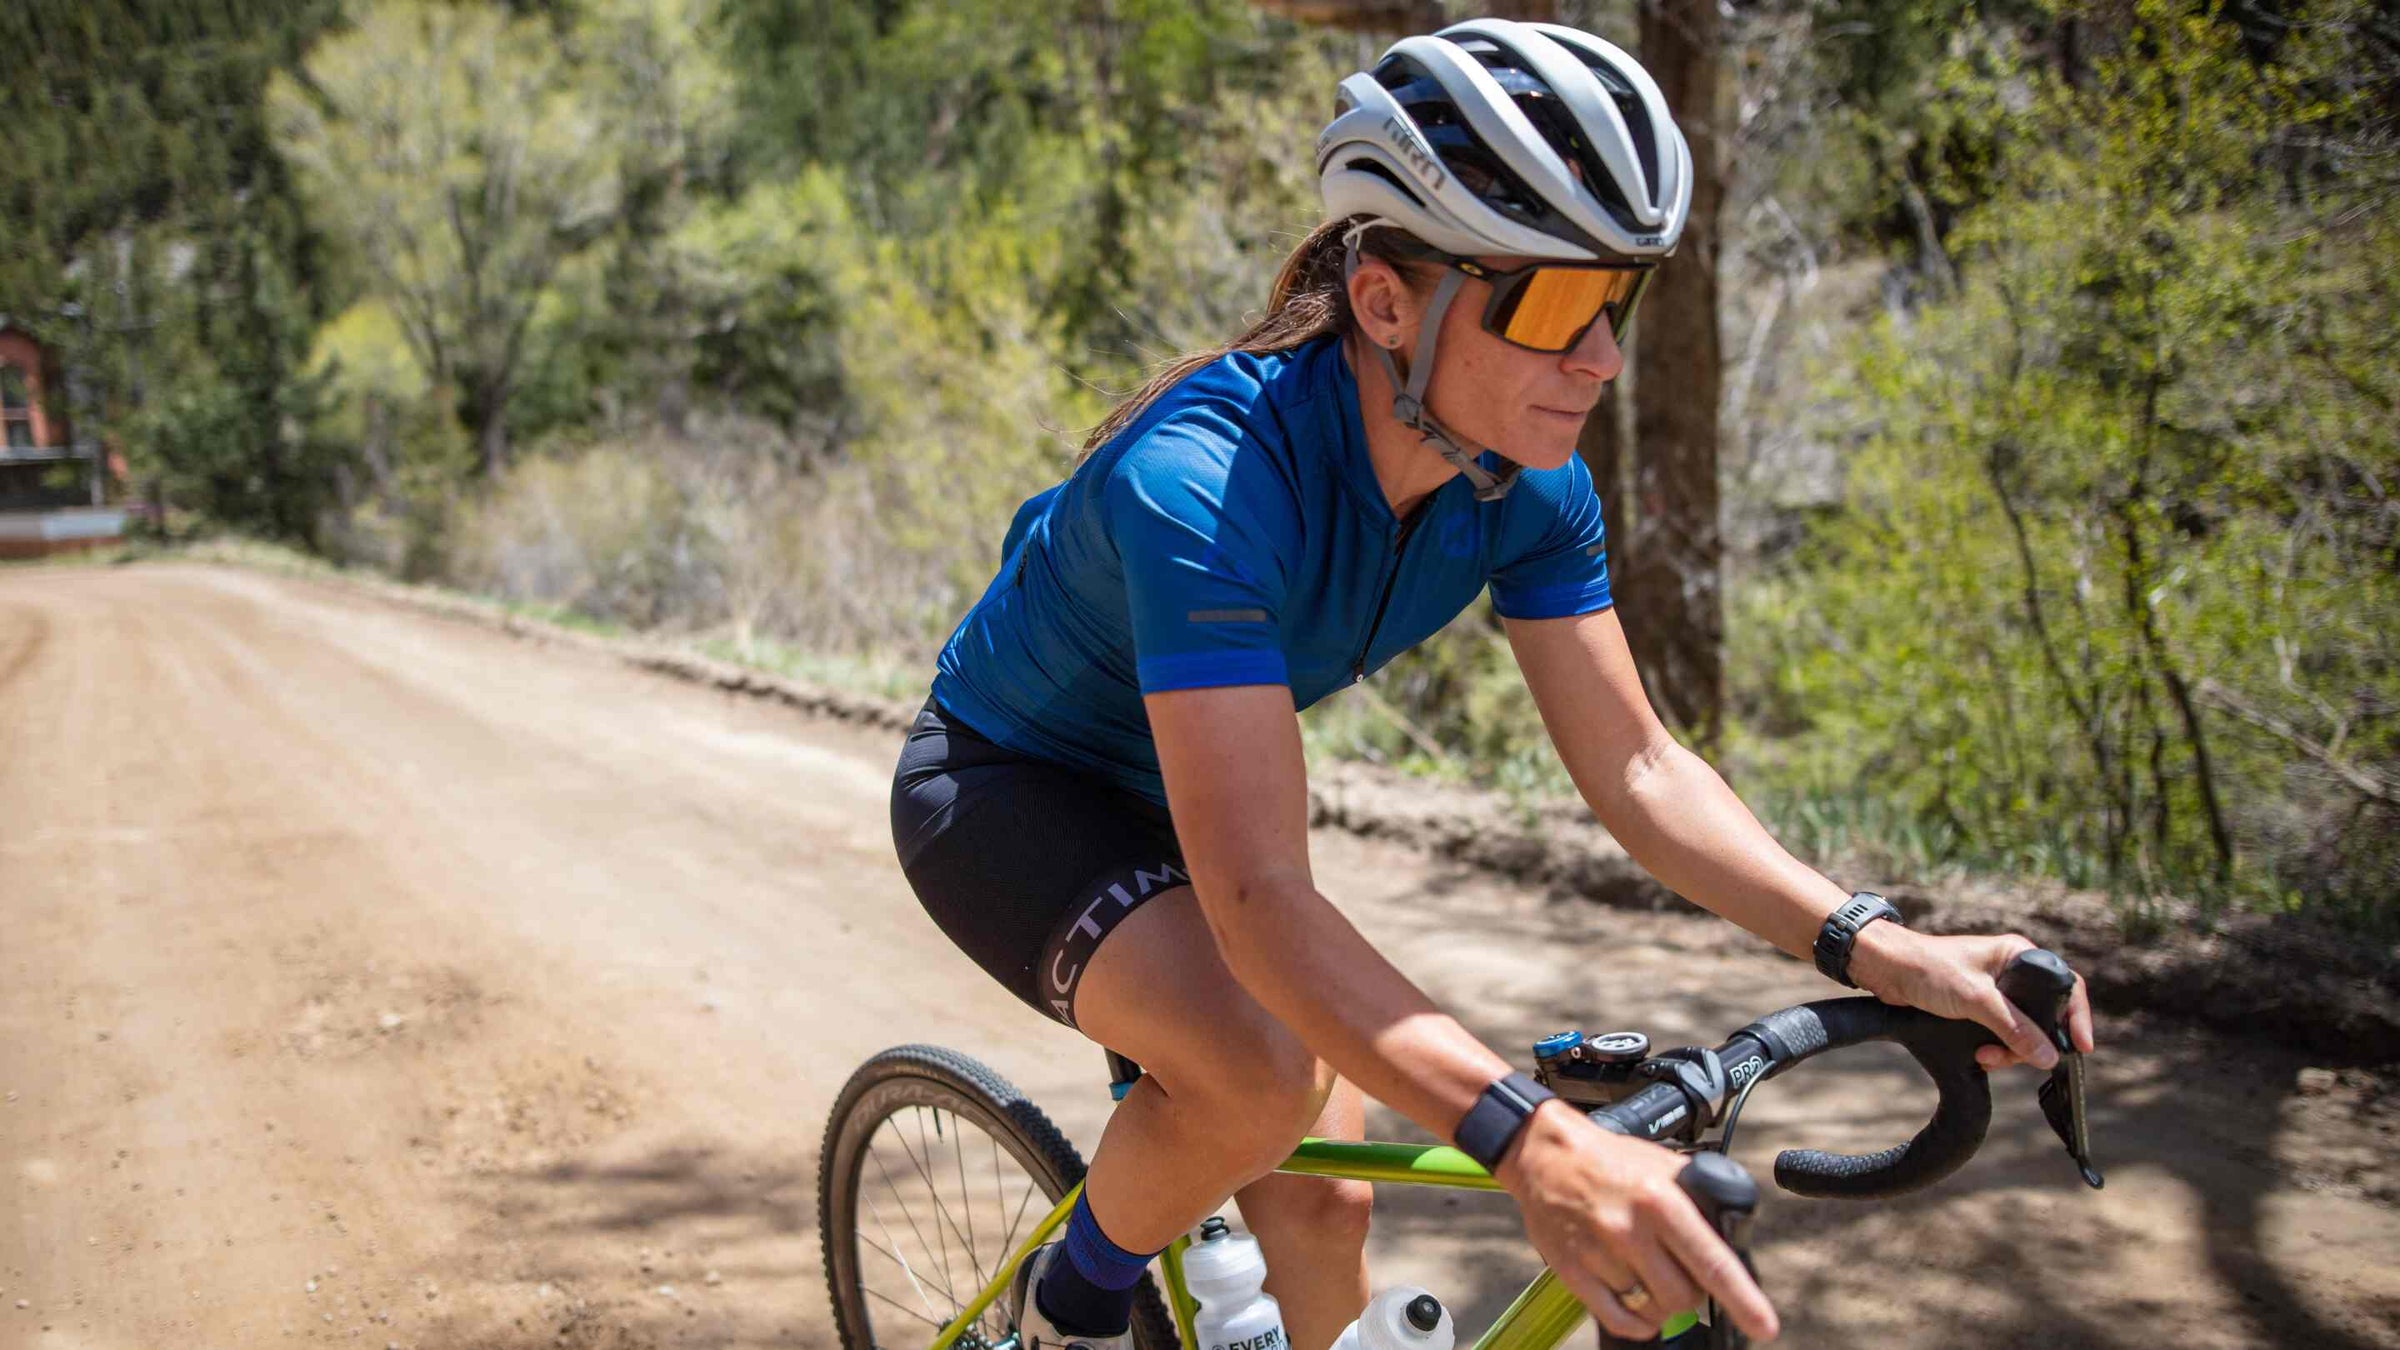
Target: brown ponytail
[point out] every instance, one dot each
(1310, 299)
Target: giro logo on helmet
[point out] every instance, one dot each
(1419, 157)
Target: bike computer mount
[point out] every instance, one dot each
(1590, 1070)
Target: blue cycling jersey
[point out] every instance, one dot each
(1233, 534)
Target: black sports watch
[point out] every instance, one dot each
(1840, 933)
(1492, 1123)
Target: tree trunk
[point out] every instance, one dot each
(491, 431)
(1668, 580)
(1605, 446)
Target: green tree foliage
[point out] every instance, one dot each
(921, 362)
(668, 101)
(873, 523)
(455, 151)
(150, 234)
(408, 453)
(1080, 121)
(2113, 594)
(233, 430)
(757, 276)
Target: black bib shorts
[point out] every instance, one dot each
(1025, 864)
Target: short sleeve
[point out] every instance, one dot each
(1193, 514)
(1564, 568)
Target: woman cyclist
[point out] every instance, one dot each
(1104, 800)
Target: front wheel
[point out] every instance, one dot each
(933, 1170)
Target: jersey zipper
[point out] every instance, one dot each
(1408, 527)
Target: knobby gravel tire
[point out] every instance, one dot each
(935, 1077)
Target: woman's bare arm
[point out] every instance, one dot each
(1679, 820)
(1669, 809)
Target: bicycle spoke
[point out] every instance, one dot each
(937, 1326)
(1009, 1242)
(922, 1244)
(992, 1314)
(1000, 1204)
(898, 1260)
(966, 1197)
(999, 1191)
(941, 1211)
(902, 1139)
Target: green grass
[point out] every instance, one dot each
(561, 616)
(881, 676)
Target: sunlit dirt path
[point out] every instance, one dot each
(369, 978)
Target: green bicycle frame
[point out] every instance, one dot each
(1541, 1318)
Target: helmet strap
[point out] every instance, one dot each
(1408, 399)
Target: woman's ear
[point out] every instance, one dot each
(1385, 307)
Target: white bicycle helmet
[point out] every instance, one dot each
(1528, 139)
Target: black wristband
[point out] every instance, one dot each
(1492, 1123)
(1840, 933)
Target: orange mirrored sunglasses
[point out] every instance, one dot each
(1548, 307)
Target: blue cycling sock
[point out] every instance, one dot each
(1091, 1292)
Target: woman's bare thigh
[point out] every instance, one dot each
(1158, 979)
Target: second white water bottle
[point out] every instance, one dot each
(1406, 1318)
(1227, 1274)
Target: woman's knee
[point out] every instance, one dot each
(1156, 991)
(1327, 1213)
(1265, 1085)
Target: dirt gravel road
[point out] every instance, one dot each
(372, 979)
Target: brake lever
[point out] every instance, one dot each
(1728, 1198)
(2040, 985)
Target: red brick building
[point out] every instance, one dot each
(53, 488)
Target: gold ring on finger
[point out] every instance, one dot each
(1635, 1298)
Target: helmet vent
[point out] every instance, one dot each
(1368, 166)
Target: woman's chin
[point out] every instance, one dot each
(1548, 442)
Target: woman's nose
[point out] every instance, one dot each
(1597, 354)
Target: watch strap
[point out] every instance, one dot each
(1840, 933)
(1492, 1123)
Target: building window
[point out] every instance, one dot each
(16, 409)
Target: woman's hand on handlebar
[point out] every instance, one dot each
(1604, 1211)
(1957, 977)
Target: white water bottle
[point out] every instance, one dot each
(1406, 1318)
(1227, 1274)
